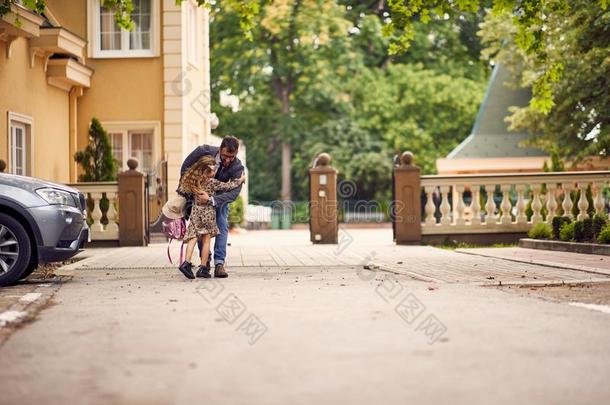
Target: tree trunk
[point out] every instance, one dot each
(286, 170)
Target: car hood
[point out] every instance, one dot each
(31, 184)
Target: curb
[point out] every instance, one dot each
(560, 246)
(585, 269)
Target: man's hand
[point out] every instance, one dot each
(203, 198)
(242, 179)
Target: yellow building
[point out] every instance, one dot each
(150, 87)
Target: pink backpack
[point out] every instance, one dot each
(175, 229)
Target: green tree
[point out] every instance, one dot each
(578, 124)
(531, 35)
(96, 160)
(349, 98)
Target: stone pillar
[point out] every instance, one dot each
(323, 216)
(407, 201)
(132, 206)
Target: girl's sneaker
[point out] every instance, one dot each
(204, 272)
(186, 268)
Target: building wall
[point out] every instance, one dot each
(186, 84)
(24, 90)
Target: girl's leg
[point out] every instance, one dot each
(190, 246)
(205, 249)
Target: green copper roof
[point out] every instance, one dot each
(490, 136)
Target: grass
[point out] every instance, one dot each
(452, 245)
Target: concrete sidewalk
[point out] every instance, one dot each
(356, 248)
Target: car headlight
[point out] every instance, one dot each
(56, 197)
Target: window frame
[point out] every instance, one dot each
(94, 32)
(27, 123)
(125, 127)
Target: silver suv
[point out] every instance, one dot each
(40, 222)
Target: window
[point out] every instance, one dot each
(138, 139)
(108, 40)
(20, 144)
(138, 144)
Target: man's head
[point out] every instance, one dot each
(228, 150)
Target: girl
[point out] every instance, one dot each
(199, 179)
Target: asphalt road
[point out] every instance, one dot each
(273, 335)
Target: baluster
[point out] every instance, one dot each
(567, 200)
(459, 205)
(505, 206)
(97, 213)
(490, 205)
(475, 205)
(583, 204)
(521, 217)
(598, 198)
(111, 214)
(551, 202)
(430, 208)
(536, 204)
(445, 207)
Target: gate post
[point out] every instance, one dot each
(407, 201)
(133, 217)
(323, 216)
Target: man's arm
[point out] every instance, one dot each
(229, 196)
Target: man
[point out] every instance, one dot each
(228, 167)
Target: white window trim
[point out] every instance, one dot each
(126, 126)
(28, 121)
(93, 34)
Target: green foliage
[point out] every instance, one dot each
(575, 68)
(588, 228)
(566, 233)
(532, 34)
(579, 231)
(604, 235)
(557, 223)
(599, 221)
(335, 89)
(540, 231)
(236, 212)
(96, 160)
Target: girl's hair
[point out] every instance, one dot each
(193, 175)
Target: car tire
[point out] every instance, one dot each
(32, 265)
(15, 250)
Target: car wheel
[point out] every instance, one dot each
(32, 265)
(15, 250)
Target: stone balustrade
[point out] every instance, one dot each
(95, 192)
(461, 204)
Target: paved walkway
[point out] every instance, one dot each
(357, 248)
(596, 264)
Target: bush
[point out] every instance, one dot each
(599, 221)
(236, 212)
(97, 160)
(588, 228)
(566, 233)
(579, 231)
(540, 231)
(558, 222)
(604, 235)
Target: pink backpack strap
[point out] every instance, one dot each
(168, 254)
(182, 253)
